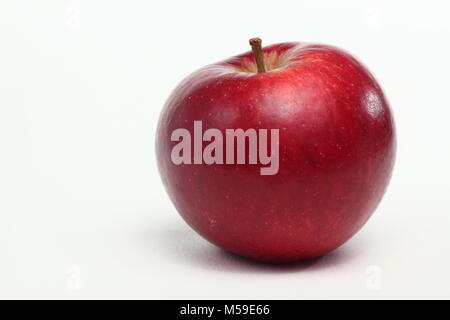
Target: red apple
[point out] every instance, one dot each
(336, 150)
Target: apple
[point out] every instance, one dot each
(327, 122)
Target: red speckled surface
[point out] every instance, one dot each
(337, 150)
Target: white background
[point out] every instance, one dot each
(83, 213)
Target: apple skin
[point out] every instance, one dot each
(337, 151)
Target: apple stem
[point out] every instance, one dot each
(257, 51)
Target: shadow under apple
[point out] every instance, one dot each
(184, 245)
